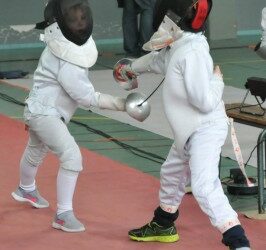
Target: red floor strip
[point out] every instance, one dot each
(110, 199)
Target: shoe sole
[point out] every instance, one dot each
(21, 199)
(164, 239)
(242, 248)
(65, 229)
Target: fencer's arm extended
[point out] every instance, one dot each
(204, 89)
(75, 81)
(110, 102)
(261, 46)
(152, 62)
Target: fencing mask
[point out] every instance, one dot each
(67, 31)
(74, 18)
(192, 13)
(173, 17)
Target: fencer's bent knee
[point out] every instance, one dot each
(71, 158)
(33, 155)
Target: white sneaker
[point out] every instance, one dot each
(68, 222)
(241, 248)
(33, 197)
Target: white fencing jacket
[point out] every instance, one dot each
(192, 94)
(261, 47)
(60, 87)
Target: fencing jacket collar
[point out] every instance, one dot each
(84, 56)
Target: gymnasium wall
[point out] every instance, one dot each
(228, 19)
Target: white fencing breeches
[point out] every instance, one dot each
(51, 133)
(47, 132)
(200, 167)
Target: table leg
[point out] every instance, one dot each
(261, 160)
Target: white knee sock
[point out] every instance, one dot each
(27, 175)
(66, 183)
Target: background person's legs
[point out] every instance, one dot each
(146, 21)
(130, 28)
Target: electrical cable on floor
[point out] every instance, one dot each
(11, 99)
(253, 151)
(127, 147)
(134, 150)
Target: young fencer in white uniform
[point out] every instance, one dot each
(261, 46)
(61, 84)
(192, 101)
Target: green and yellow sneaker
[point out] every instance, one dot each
(154, 232)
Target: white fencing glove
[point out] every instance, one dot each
(111, 102)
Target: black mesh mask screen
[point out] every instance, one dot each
(74, 18)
